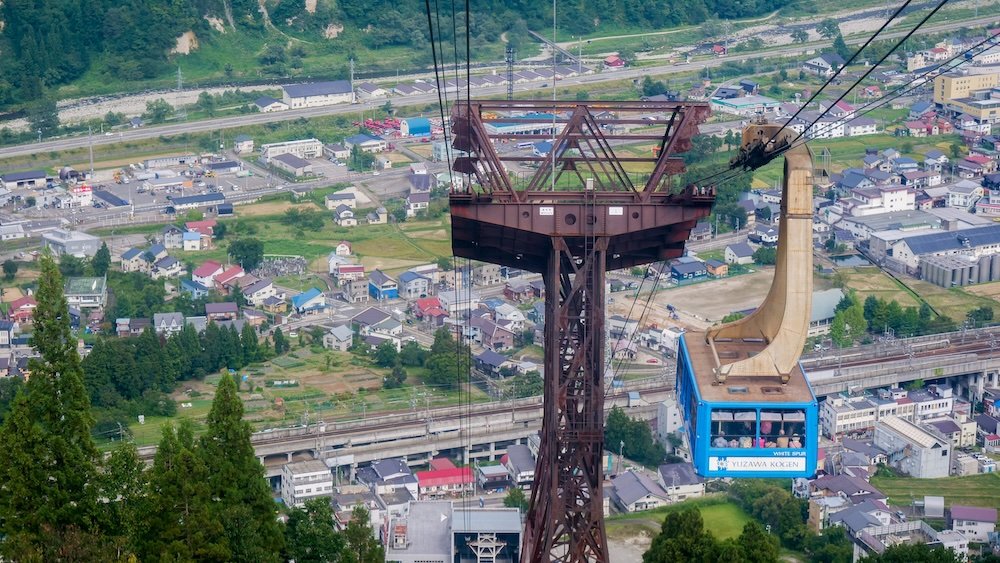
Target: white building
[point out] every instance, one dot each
(974, 522)
(913, 450)
(303, 148)
(305, 480)
(315, 94)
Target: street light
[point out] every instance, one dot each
(621, 449)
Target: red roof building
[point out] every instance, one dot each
(22, 310)
(719, 50)
(444, 481)
(204, 227)
(424, 304)
(225, 280)
(614, 61)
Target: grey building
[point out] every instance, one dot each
(75, 243)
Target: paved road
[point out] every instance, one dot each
(422, 100)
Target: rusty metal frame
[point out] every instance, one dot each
(572, 237)
(581, 131)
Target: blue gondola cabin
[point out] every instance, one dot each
(744, 427)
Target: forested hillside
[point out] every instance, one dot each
(55, 42)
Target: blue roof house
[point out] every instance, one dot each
(687, 271)
(194, 289)
(309, 301)
(381, 286)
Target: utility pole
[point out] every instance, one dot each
(181, 113)
(352, 75)
(90, 142)
(509, 59)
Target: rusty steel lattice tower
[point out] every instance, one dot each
(578, 215)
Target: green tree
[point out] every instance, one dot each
(955, 149)
(848, 325)
(206, 102)
(395, 379)
(388, 109)
(915, 553)
(443, 361)
(765, 256)
(47, 497)
(219, 232)
(247, 252)
(683, 537)
(9, 269)
(841, 48)
(412, 355)
(757, 545)
(310, 535)
(236, 479)
(101, 260)
(828, 28)
(732, 317)
(9, 388)
(71, 266)
(362, 547)
(516, 499)
(122, 482)
(386, 354)
(249, 344)
(178, 522)
(582, 96)
(800, 36)
(157, 111)
(280, 342)
(980, 315)
(43, 117)
(639, 444)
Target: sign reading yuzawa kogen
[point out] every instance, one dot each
(716, 463)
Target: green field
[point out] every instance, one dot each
(973, 490)
(723, 518)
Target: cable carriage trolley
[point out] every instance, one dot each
(748, 409)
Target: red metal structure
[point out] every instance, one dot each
(581, 213)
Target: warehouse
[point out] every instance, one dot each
(316, 94)
(196, 201)
(974, 243)
(951, 271)
(302, 148)
(415, 127)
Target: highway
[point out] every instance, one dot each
(424, 99)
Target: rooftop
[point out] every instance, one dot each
(757, 390)
(84, 286)
(318, 88)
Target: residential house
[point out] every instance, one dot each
(520, 464)
(680, 481)
(366, 143)
(368, 318)
(133, 261)
(622, 327)
(975, 522)
(964, 194)
(687, 271)
(490, 363)
(125, 328)
(623, 350)
(257, 292)
(339, 338)
(378, 217)
(518, 291)
(243, 144)
(336, 151)
(509, 316)
(413, 285)
(225, 311)
(911, 449)
(309, 302)
(823, 65)
(854, 489)
(717, 268)
(274, 305)
(229, 279)
(635, 491)
(489, 334)
(416, 202)
(8, 331)
(191, 241)
(254, 318)
(195, 289)
(436, 484)
(347, 272)
(22, 309)
(381, 286)
(335, 200)
(388, 475)
(166, 267)
(205, 274)
(344, 216)
(486, 275)
(935, 160)
(166, 324)
(739, 253)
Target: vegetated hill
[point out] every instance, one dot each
(48, 44)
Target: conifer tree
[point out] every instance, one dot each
(251, 348)
(178, 521)
(362, 547)
(101, 260)
(48, 494)
(236, 478)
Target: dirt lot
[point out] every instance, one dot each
(991, 290)
(628, 550)
(702, 304)
(270, 208)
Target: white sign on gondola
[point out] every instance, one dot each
(546, 210)
(736, 464)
